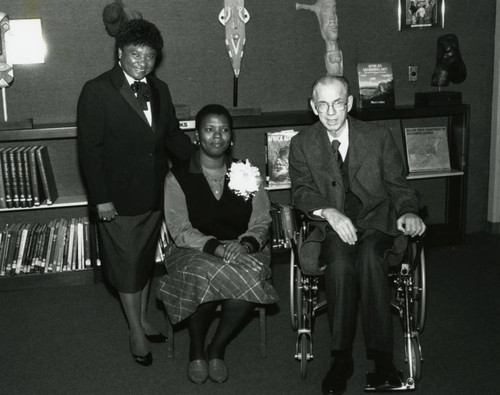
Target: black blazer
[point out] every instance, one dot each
(124, 159)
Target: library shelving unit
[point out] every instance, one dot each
(60, 141)
(446, 222)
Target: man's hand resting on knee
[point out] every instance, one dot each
(341, 224)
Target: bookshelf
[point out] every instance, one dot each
(60, 140)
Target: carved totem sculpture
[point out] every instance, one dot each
(234, 16)
(6, 70)
(326, 12)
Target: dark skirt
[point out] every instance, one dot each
(127, 247)
(195, 277)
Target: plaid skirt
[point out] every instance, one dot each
(195, 277)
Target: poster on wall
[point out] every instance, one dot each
(418, 14)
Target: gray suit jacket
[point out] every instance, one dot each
(376, 176)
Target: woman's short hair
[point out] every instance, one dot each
(213, 109)
(139, 32)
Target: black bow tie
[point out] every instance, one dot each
(143, 93)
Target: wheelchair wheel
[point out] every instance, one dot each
(293, 292)
(304, 345)
(415, 354)
(419, 289)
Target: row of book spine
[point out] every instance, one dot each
(61, 245)
(284, 225)
(26, 177)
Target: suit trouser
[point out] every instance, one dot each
(358, 272)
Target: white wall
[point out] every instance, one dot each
(494, 184)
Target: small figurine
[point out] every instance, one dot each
(326, 11)
(234, 16)
(449, 63)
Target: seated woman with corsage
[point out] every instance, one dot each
(218, 216)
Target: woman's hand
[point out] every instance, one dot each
(238, 254)
(248, 262)
(106, 211)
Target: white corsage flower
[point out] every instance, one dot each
(244, 179)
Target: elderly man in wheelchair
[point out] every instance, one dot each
(348, 177)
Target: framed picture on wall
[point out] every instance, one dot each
(421, 14)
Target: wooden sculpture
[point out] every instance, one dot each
(234, 16)
(326, 12)
(6, 70)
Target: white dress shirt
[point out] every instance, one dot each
(147, 112)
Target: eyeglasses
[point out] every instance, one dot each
(323, 106)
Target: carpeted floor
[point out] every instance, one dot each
(74, 340)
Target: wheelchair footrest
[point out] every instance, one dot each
(374, 384)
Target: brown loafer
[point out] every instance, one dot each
(217, 371)
(198, 371)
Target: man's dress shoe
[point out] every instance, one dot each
(388, 380)
(335, 381)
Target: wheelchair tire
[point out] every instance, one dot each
(415, 353)
(304, 345)
(419, 291)
(293, 292)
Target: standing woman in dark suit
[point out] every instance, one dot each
(126, 125)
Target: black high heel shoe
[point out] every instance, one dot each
(144, 360)
(159, 338)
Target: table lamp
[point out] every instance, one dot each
(21, 42)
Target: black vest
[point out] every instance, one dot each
(225, 219)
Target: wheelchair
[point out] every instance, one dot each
(407, 281)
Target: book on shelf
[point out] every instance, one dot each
(13, 177)
(87, 257)
(3, 203)
(46, 175)
(21, 249)
(37, 259)
(21, 176)
(35, 179)
(277, 149)
(4, 248)
(4, 153)
(79, 245)
(13, 246)
(163, 242)
(60, 247)
(284, 225)
(427, 149)
(50, 245)
(376, 85)
(27, 176)
(287, 224)
(71, 243)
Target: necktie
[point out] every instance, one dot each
(143, 93)
(335, 146)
